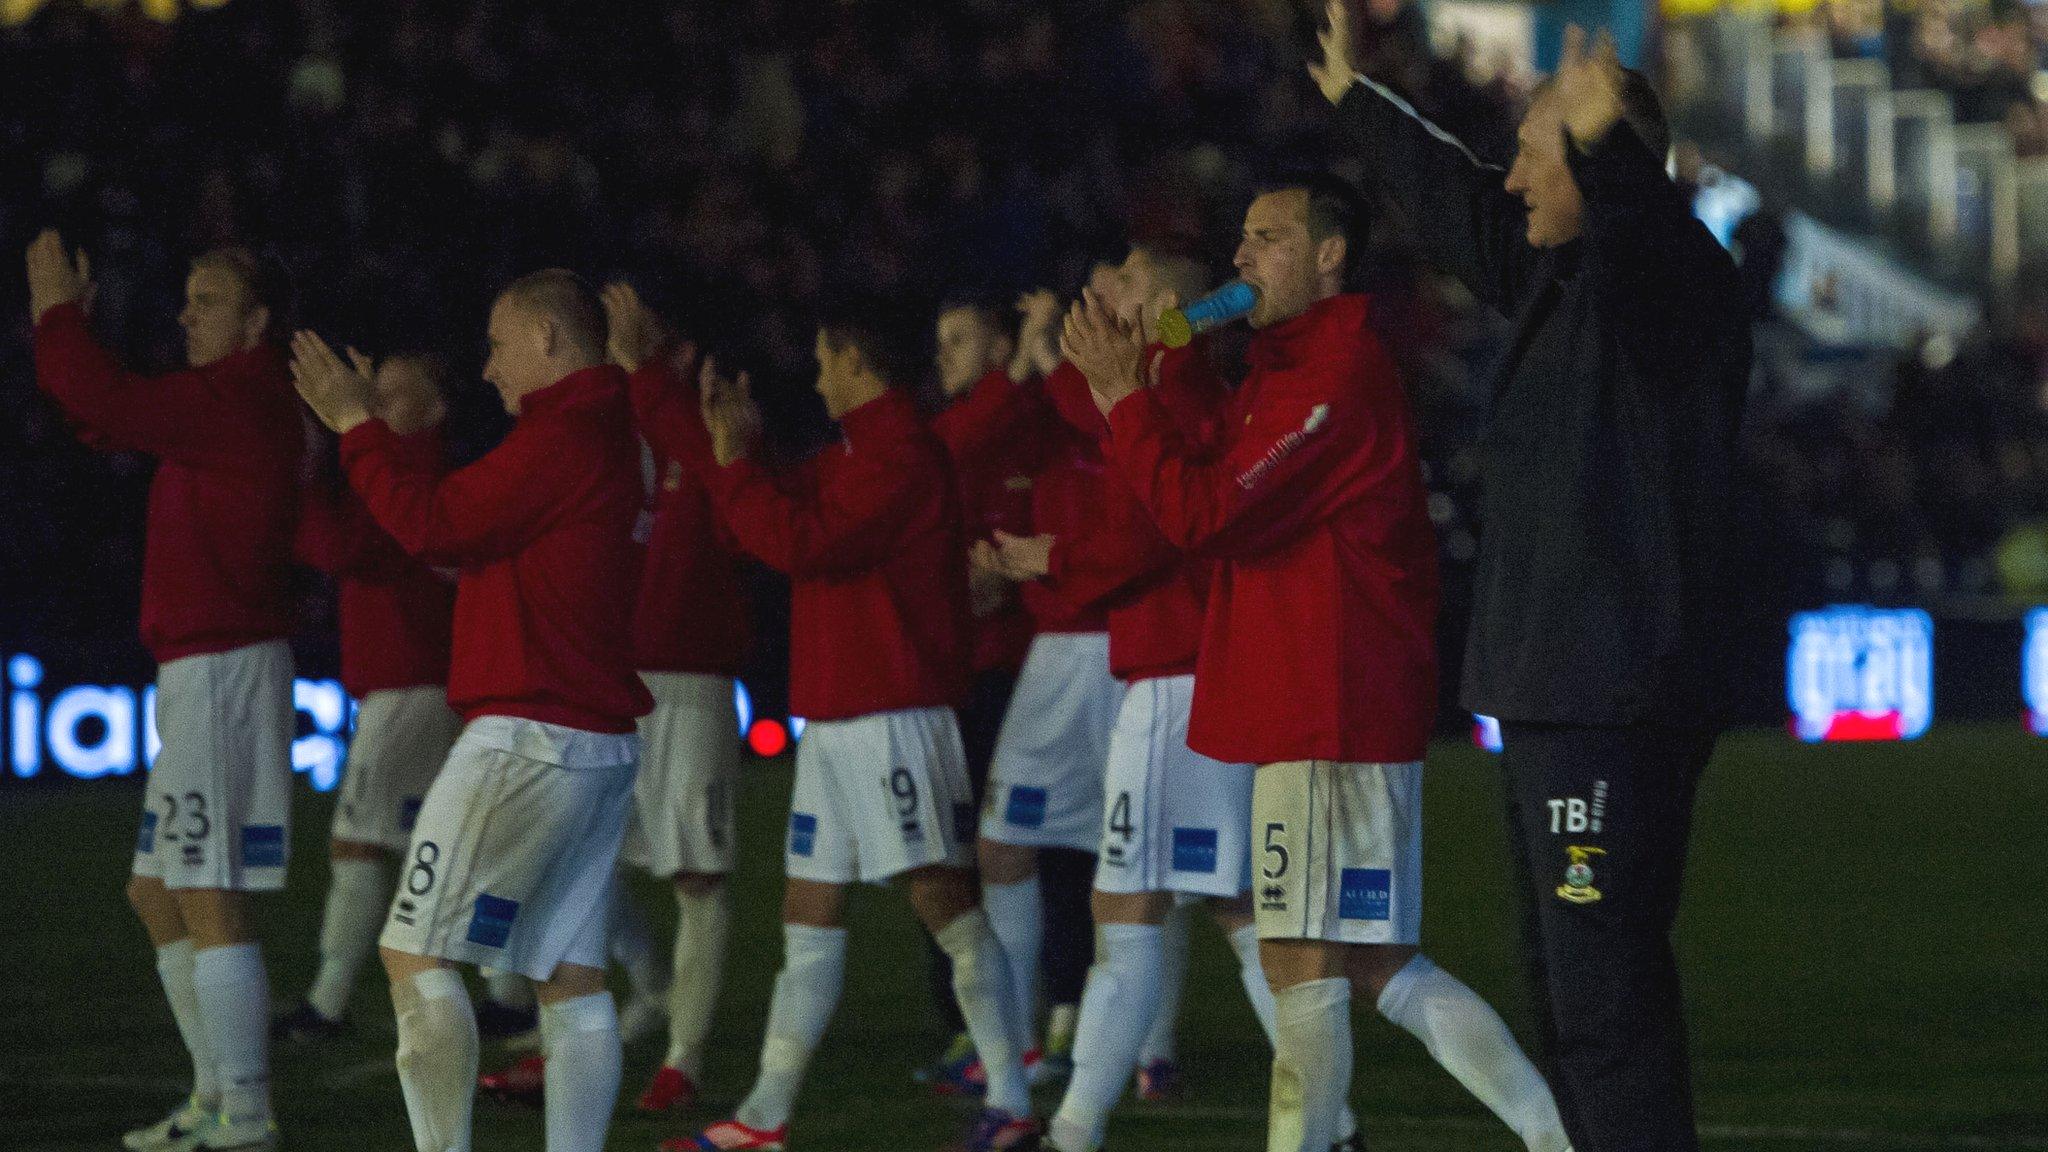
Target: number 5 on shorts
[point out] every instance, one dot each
(1276, 853)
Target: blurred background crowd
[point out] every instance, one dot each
(746, 161)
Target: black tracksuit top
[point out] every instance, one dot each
(1604, 585)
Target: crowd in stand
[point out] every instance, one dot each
(747, 162)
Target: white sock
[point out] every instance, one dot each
(1173, 974)
(1018, 918)
(437, 1056)
(1245, 942)
(1467, 1037)
(511, 989)
(174, 968)
(806, 993)
(358, 899)
(1311, 1065)
(981, 985)
(234, 1003)
(1122, 995)
(632, 946)
(702, 924)
(580, 1038)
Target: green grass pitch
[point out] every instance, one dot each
(1863, 945)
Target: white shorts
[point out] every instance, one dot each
(1173, 820)
(1045, 782)
(402, 737)
(513, 854)
(877, 796)
(218, 810)
(1339, 851)
(689, 766)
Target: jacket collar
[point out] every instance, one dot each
(594, 384)
(878, 417)
(1292, 341)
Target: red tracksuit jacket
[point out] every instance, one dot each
(1089, 566)
(228, 440)
(542, 530)
(691, 615)
(1155, 616)
(994, 438)
(397, 614)
(1320, 635)
(870, 535)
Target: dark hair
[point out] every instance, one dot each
(262, 275)
(567, 299)
(874, 330)
(1640, 107)
(1334, 209)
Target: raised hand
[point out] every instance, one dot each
(338, 392)
(637, 335)
(1335, 73)
(730, 414)
(1038, 335)
(1588, 86)
(54, 277)
(1109, 351)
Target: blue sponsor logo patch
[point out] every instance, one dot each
(263, 845)
(1194, 850)
(409, 813)
(803, 833)
(1026, 808)
(491, 923)
(1365, 894)
(145, 839)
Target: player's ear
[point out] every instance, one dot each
(1330, 254)
(547, 335)
(255, 324)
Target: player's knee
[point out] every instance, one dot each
(569, 982)
(813, 903)
(1290, 962)
(699, 884)
(1130, 907)
(1005, 863)
(939, 895)
(354, 850)
(1371, 966)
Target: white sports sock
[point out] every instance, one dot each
(1017, 916)
(1173, 974)
(806, 993)
(511, 989)
(437, 1057)
(174, 968)
(632, 946)
(358, 899)
(981, 985)
(234, 1003)
(1245, 942)
(1467, 1037)
(702, 924)
(1311, 1065)
(580, 1038)
(1122, 995)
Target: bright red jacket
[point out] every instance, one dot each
(542, 531)
(994, 437)
(227, 439)
(691, 615)
(1155, 617)
(869, 533)
(397, 614)
(1320, 636)
(1089, 566)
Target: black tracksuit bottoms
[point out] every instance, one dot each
(1598, 822)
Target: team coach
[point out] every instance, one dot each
(1602, 577)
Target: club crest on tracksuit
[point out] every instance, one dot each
(1578, 875)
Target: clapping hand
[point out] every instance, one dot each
(1109, 350)
(1038, 335)
(730, 414)
(54, 277)
(339, 392)
(636, 334)
(1024, 557)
